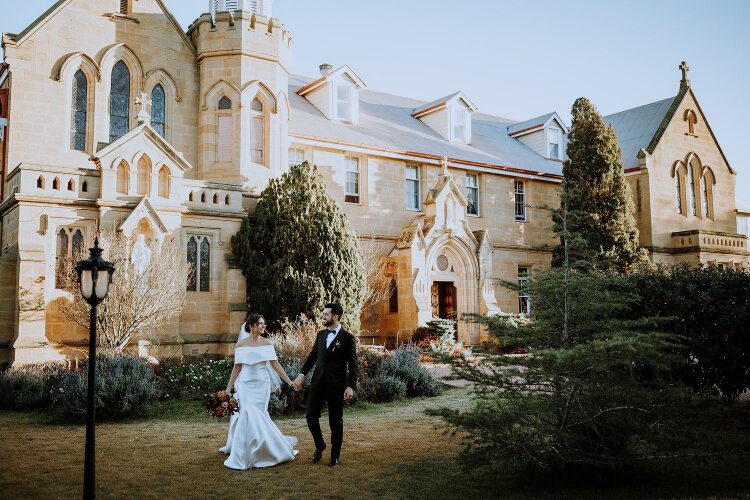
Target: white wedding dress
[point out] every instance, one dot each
(254, 440)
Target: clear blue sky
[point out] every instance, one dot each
(522, 59)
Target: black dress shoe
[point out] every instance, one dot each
(335, 462)
(318, 454)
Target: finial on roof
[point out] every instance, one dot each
(684, 68)
(444, 163)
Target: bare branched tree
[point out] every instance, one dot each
(137, 304)
(378, 286)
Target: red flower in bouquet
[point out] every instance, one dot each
(221, 404)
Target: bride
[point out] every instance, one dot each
(254, 440)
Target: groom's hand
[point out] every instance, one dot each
(348, 394)
(298, 382)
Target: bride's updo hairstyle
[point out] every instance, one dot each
(252, 320)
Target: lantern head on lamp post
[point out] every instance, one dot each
(94, 277)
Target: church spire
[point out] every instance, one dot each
(684, 68)
(262, 7)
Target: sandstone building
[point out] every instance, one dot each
(136, 124)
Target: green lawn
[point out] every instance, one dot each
(390, 451)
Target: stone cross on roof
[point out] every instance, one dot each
(684, 68)
(143, 101)
(444, 163)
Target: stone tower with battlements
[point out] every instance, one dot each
(243, 59)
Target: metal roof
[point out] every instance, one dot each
(531, 123)
(386, 122)
(636, 128)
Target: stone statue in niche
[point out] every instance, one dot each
(141, 255)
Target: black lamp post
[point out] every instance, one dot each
(94, 276)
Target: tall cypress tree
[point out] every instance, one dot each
(298, 251)
(596, 214)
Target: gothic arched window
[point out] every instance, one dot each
(256, 131)
(62, 258)
(205, 265)
(158, 109)
(200, 264)
(164, 182)
(691, 189)
(225, 130)
(78, 112)
(144, 176)
(678, 194)
(119, 102)
(123, 178)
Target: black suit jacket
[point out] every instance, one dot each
(331, 363)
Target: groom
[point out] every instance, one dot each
(334, 350)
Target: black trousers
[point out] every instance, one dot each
(334, 398)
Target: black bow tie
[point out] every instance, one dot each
(331, 331)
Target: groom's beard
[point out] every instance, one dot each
(328, 323)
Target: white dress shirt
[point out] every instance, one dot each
(331, 336)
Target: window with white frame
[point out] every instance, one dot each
(519, 196)
(351, 181)
(412, 187)
(344, 101)
(472, 194)
(524, 300)
(458, 118)
(678, 197)
(224, 130)
(553, 138)
(256, 131)
(296, 156)
(199, 260)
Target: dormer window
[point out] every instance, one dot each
(335, 93)
(449, 116)
(125, 7)
(344, 101)
(553, 141)
(459, 124)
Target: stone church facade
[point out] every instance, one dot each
(135, 124)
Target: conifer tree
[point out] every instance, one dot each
(298, 251)
(596, 200)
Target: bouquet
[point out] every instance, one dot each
(221, 404)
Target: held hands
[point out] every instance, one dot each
(348, 394)
(297, 383)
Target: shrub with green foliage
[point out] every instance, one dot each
(30, 386)
(186, 380)
(125, 387)
(709, 308)
(403, 364)
(299, 252)
(597, 390)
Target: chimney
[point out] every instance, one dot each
(325, 69)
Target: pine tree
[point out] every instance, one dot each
(596, 204)
(298, 251)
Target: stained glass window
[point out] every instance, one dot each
(78, 119)
(119, 102)
(192, 254)
(200, 265)
(158, 109)
(62, 255)
(77, 244)
(205, 266)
